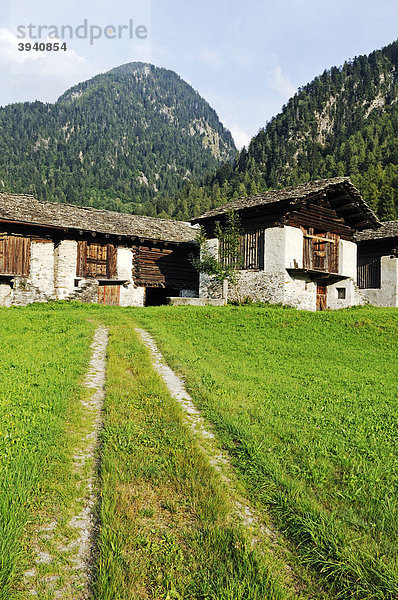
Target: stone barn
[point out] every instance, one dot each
(378, 264)
(297, 244)
(52, 251)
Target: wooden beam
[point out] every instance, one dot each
(319, 238)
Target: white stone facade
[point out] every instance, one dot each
(53, 277)
(278, 283)
(42, 267)
(129, 294)
(65, 262)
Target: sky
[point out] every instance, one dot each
(246, 58)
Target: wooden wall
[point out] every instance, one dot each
(14, 254)
(165, 267)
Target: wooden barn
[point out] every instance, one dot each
(58, 251)
(297, 244)
(378, 264)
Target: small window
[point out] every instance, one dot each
(341, 293)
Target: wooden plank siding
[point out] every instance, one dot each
(96, 260)
(109, 294)
(14, 254)
(251, 246)
(165, 267)
(369, 272)
(321, 218)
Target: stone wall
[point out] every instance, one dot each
(353, 295)
(42, 267)
(348, 259)
(65, 262)
(188, 294)
(387, 295)
(283, 250)
(5, 294)
(124, 263)
(25, 292)
(129, 294)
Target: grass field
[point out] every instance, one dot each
(43, 357)
(167, 528)
(306, 405)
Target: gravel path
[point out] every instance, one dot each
(67, 553)
(217, 457)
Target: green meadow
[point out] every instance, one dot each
(305, 404)
(43, 358)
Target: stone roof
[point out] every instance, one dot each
(296, 194)
(26, 209)
(388, 229)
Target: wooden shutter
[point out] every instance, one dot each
(96, 260)
(111, 265)
(334, 253)
(81, 268)
(14, 255)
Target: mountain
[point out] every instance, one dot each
(345, 122)
(122, 141)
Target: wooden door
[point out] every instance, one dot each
(321, 293)
(109, 294)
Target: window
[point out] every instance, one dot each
(252, 250)
(341, 293)
(369, 272)
(14, 255)
(96, 260)
(321, 251)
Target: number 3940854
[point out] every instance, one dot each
(42, 47)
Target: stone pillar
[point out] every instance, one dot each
(294, 247)
(129, 294)
(124, 263)
(42, 267)
(65, 268)
(348, 259)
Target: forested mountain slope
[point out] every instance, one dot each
(344, 123)
(120, 141)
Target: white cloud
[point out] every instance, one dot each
(35, 74)
(280, 83)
